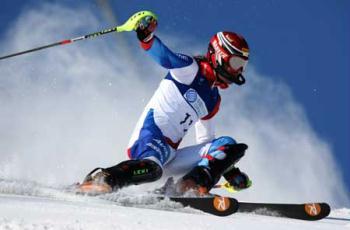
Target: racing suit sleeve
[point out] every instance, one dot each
(182, 67)
(205, 131)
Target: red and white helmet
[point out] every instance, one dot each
(228, 54)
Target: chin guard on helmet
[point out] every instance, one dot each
(239, 79)
(228, 54)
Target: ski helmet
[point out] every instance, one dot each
(228, 54)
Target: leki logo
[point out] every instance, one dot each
(312, 209)
(140, 171)
(221, 203)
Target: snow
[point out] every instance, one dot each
(27, 205)
(27, 212)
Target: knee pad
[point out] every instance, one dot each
(221, 141)
(227, 148)
(220, 159)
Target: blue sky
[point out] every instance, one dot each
(302, 43)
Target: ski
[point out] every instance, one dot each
(212, 204)
(216, 205)
(307, 211)
(224, 206)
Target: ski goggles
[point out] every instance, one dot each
(236, 64)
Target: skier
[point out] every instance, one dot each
(187, 96)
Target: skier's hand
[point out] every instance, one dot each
(145, 28)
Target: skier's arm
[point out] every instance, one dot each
(205, 131)
(182, 67)
(164, 56)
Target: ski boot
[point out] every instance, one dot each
(202, 178)
(130, 172)
(197, 182)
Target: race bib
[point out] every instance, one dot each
(196, 102)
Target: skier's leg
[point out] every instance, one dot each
(142, 168)
(186, 158)
(129, 172)
(145, 165)
(147, 156)
(218, 160)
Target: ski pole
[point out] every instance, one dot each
(129, 25)
(228, 187)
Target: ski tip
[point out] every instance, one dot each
(303, 211)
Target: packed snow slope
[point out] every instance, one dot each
(76, 212)
(65, 111)
(29, 205)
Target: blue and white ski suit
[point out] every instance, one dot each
(184, 98)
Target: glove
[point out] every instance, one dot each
(145, 28)
(237, 179)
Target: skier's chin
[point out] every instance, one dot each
(222, 85)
